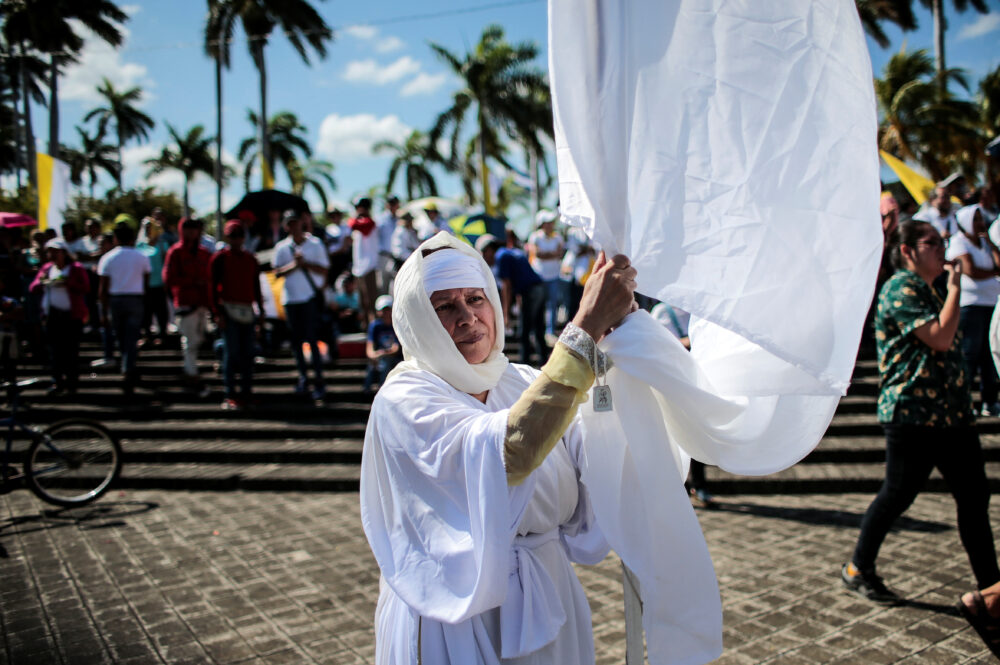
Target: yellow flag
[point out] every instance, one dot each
(53, 191)
(266, 177)
(917, 185)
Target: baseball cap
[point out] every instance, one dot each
(383, 302)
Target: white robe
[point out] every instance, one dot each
(486, 566)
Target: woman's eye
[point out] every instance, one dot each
(443, 307)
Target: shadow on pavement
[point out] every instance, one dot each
(824, 517)
(103, 515)
(950, 610)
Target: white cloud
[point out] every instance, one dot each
(423, 84)
(389, 44)
(984, 25)
(202, 187)
(100, 60)
(352, 137)
(361, 31)
(371, 33)
(371, 72)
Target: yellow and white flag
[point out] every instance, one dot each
(53, 191)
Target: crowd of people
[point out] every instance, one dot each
(158, 281)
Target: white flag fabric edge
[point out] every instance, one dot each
(729, 149)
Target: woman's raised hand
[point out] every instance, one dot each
(608, 295)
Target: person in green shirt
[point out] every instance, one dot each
(925, 407)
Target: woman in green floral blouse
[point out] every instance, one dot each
(925, 407)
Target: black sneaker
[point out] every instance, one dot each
(867, 585)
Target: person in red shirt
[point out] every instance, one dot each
(186, 276)
(235, 289)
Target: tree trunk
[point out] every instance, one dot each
(121, 165)
(218, 147)
(265, 146)
(93, 177)
(937, 7)
(53, 108)
(536, 194)
(29, 134)
(484, 174)
(187, 210)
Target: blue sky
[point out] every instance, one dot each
(379, 80)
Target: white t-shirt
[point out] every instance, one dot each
(974, 291)
(365, 250)
(943, 223)
(547, 269)
(296, 288)
(404, 242)
(57, 297)
(84, 246)
(126, 266)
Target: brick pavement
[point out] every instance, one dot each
(235, 577)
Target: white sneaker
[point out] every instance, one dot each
(990, 410)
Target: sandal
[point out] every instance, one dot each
(987, 626)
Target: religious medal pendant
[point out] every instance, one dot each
(602, 398)
(602, 394)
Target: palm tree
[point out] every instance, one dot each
(498, 81)
(941, 24)
(414, 157)
(989, 103)
(920, 120)
(874, 12)
(288, 142)
(49, 26)
(315, 173)
(92, 155)
(24, 75)
(130, 122)
(190, 154)
(298, 21)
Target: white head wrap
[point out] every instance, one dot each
(426, 344)
(965, 216)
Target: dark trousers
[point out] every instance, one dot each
(126, 320)
(379, 369)
(303, 327)
(912, 452)
(974, 321)
(155, 306)
(62, 333)
(533, 322)
(237, 357)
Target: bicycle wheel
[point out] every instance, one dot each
(73, 462)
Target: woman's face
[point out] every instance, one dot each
(469, 318)
(928, 254)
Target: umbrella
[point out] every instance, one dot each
(470, 227)
(262, 202)
(10, 220)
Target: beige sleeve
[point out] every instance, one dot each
(541, 415)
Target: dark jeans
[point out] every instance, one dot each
(533, 322)
(303, 327)
(237, 357)
(912, 452)
(974, 321)
(62, 333)
(379, 370)
(697, 481)
(155, 306)
(126, 321)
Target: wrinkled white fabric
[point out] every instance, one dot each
(426, 344)
(728, 147)
(486, 565)
(451, 270)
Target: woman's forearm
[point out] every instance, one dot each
(544, 411)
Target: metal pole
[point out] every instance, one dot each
(634, 649)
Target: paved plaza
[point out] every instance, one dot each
(240, 577)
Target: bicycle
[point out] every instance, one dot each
(69, 463)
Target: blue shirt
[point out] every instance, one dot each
(381, 335)
(513, 264)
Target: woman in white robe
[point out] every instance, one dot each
(470, 492)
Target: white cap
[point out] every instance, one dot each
(383, 302)
(544, 216)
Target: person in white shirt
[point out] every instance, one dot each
(545, 249)
(302, 260)
(404, 239)
(366, 247)
(980, 261)
(124, 272)
(576, 264)
(437, 222)
(385, 225)
(938, 212)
